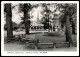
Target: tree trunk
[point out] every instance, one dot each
(48, 23)
(54, 28)
(73, 27)
(62, 27)
(26, 19)
(9, 22)
(68, 30)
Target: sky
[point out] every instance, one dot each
(16, 17)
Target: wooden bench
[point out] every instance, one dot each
(54, 45)
(40, 45)
(30, 45)
(61, 44)
(37, 45)
(16, 37)
(46, 45)
(74, 43)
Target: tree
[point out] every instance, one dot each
(26, 17)
(26, 8)
(46, 13)
(8, 11)
(68, 12)
(14, 26)
(74, 17)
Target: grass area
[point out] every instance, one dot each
(50, 39)
(17, 46)
(45, 38)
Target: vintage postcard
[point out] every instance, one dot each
(39, 28)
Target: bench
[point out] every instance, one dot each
(54, 45)
(16, 37)
(75, 44)
(39, 46)
(46, 45)
(61, 44)
(30, 45)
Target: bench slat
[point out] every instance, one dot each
(45, 43)
(62, 43)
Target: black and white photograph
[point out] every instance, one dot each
(40, 28)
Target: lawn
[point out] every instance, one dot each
(42, 39)
(50, 39)
(45, 39)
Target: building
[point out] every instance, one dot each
(55, 22)
(36, 25)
